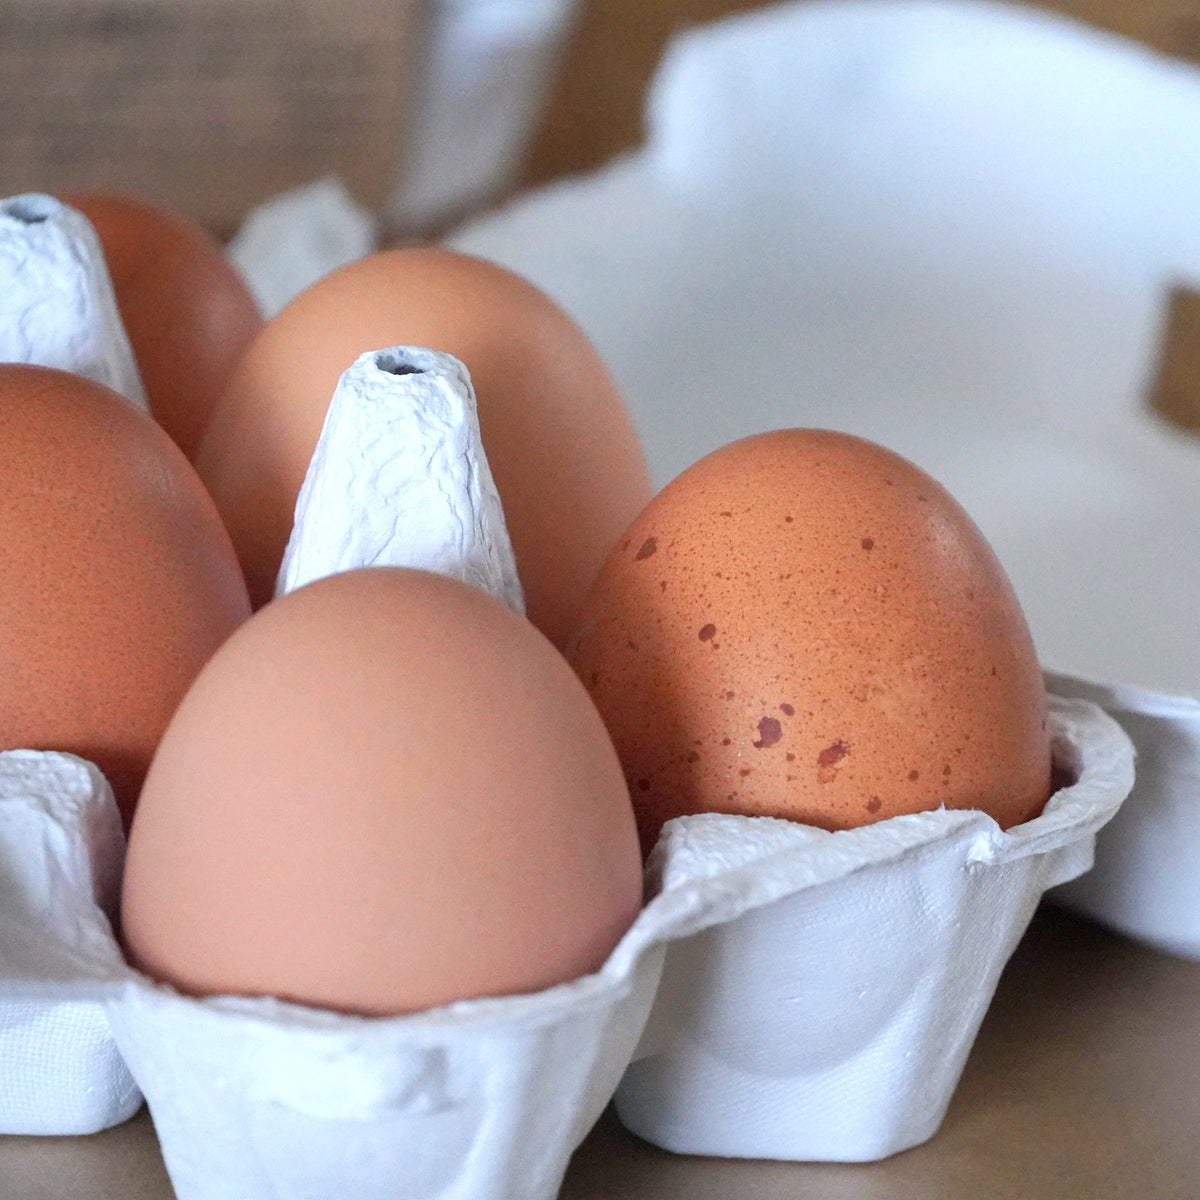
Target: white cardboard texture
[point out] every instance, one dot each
(482, 1100)
(950, 227)
(399, 478)
(288, 243)
(828, 998)
(57, 307)
(61, 850)
(1145, 883)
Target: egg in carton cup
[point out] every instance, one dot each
(822, 990)
(781, 1028)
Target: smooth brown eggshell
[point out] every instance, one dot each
(386, 791)
(560, 444)
(117, 579)
(805, 625)
(188, 313)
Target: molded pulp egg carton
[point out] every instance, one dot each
(785, 992)
(958, 226)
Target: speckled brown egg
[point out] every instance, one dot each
(805, 625)
(561, 446)
(386, 791)
(117, 578)
(188, 313)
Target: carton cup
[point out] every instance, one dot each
(480, 1100)
(822, 990)
(1145, 883)
(61, 849)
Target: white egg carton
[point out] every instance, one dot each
(785, 992)
(944, 251)
(820, 994)
(1145, 883)
(57, 307)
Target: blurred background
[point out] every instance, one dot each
(429, 110)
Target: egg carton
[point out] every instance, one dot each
(57, 306)
(1144, 883)
(785, 992)
(957, 260)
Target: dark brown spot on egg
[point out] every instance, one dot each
(833, 754)
(692, 756)
(914, 776)
(769, 732)
(787, 710)
(868, 543)
(646, 549)
(790, 756)
(725, 741)
(707, 632)
(728, 695)
(874, 804)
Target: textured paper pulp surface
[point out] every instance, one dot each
(1081, 1086)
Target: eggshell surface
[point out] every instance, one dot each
(187, 311)
(561, 446)
(117, 580)
(387, 791)
(805, 625)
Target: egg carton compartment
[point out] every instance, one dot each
(944, 251)
(822, 990)
(820, 994)
(487, 1098)
(1144, 883)
(61, 851)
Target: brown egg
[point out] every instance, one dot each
(187, 311)
(387, 791)
(805, 625)
(117, 580)
(566, 460)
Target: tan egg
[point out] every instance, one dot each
(805, 625)
(188, 313)
(387, 791)
(117, 581)
(564, 454)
